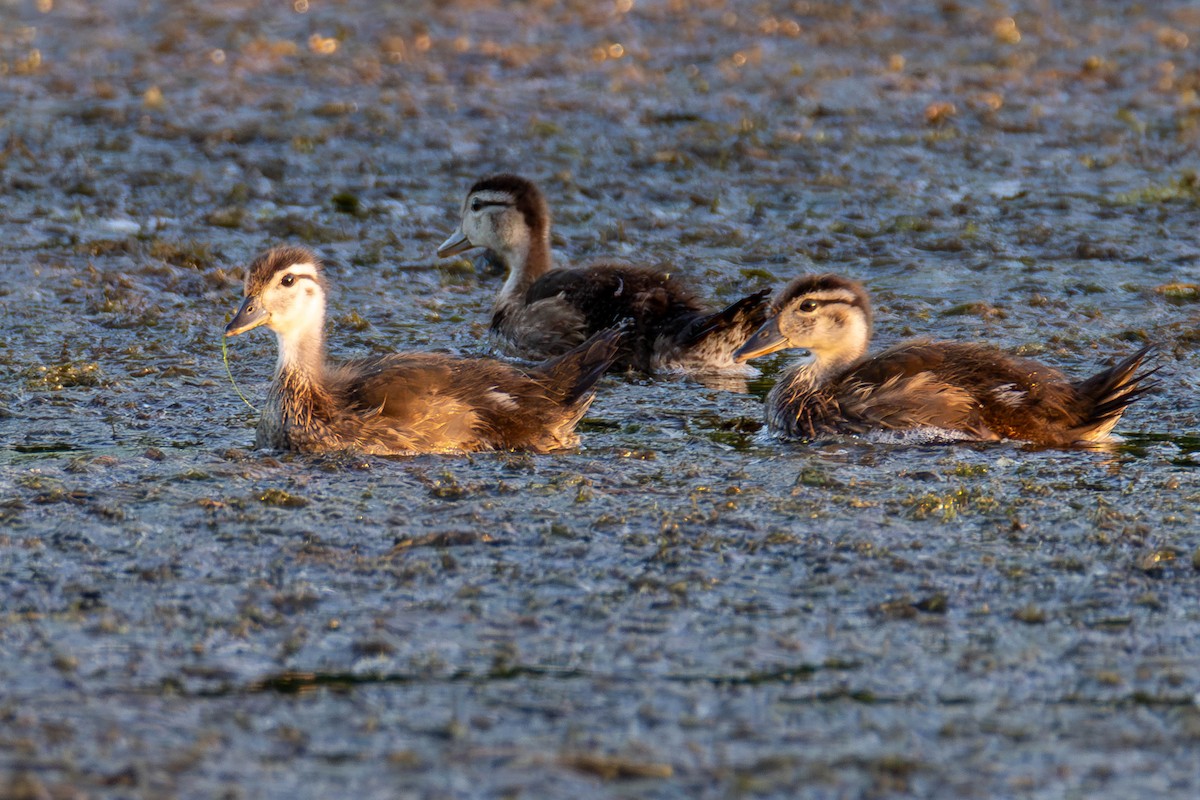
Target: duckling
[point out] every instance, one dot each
(951, 389)
(402, 403)
(542, 311)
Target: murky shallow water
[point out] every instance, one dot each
(681, 608)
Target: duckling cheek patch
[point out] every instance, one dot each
(292, 310)
(853, 328)
(514, 236)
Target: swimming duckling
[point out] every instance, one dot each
(962, 391)
(402, 403)
(542, 311)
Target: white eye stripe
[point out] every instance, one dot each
(304, 270)
(288, 277)
(492, 197)
(832, 296)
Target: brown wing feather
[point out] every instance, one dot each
(549, 327)
(971, 366)
(429, 402)
(985, 392)
(566, 306)
(917, 400)
(407, 400)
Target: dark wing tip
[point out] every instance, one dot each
(746, 314)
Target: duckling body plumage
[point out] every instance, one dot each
(542, 311)
(962, 390)
(402, 403)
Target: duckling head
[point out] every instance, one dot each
(285, 290)
(828, 315)
(505, 214)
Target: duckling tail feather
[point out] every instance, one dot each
(573, 374)
(739, 321)
(1112, 391)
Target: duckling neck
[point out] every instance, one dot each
(301, 353)
(822, 367)
(805, 378)
(299, 390)
(812, 377)
(526, 261)
(802, 402)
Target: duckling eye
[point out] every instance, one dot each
(809, 305)
(476, 204)
(287, 280)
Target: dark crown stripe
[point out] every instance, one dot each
(526, 197)
(276, 260)
(513, 184)
(813, 284)
(807, 285)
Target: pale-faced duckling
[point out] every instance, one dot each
(949, 389)
(542, 311)
(402, 403)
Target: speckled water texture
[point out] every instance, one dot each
(681, 608)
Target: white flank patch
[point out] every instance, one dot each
(502, 399)
(1010, 395)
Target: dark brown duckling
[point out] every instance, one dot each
(402, 403)
(957, 390)
(542, 311)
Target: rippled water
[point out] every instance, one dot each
(682, 608)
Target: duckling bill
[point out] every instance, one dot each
(542, 311)
(402, 403)
(961, 390)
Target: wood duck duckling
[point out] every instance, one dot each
(949, 389)
(542, 311)
(402, 403)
